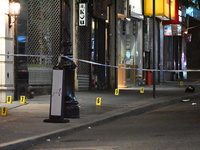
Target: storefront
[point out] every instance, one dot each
(130, 44)
(99, 46)
(174, 49)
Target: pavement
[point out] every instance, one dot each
(23, 125)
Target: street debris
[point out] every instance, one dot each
(194, 104)
(186, 100)
(190, 89)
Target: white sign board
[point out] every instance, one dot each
(56, 97)
(136, 8)
(82, 14)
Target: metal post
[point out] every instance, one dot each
(63, 101)
(154, 54)
(71, 104)
(68, 94)
(16, 95)
(115, 46)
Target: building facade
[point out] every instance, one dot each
(7, 86)
(124, 37)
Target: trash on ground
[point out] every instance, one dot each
(186, 100)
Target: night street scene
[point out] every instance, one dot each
(99, 74)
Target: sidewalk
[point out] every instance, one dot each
(24, 126)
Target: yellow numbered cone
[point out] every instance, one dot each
(4, 111)
(116, 91)
(22, 99)
(9, 100)
(98, 101)
(181, 83)
(141, 90)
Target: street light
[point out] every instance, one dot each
(14, 8)
(14, 11)
(163, 10)
(186, 30)
(154, 47)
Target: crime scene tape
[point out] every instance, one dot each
(23, 55)
(99, 64)
(128, 68)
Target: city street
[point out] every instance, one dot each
(175, 127)
(99, 75)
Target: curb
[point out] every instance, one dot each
(115, 114)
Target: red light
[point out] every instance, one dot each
(24, 71)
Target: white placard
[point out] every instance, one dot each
(56, 97)
(82, 14)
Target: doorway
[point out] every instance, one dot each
(98, 73)
(129, 55)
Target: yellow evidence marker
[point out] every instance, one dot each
(116, 91)
(22, 99)
(181, 83)
(142, 90)
(98, 101)
(4, 111)
(9, 100)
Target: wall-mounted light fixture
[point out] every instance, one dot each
(186, 30)
(14, 11)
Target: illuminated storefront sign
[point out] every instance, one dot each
(167, 30)
(174, 27)
(162, 8)
(172, 9)
(176, 13)
(136, 8)
(172, 30)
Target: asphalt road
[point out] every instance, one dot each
(175, 127)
